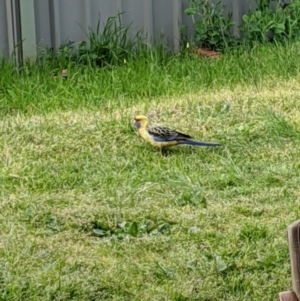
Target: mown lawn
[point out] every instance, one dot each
(89, 211)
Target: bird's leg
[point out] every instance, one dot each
(160, 150)
(163, 151)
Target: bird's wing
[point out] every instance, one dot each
(163, 134)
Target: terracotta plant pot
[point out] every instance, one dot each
(206, 52)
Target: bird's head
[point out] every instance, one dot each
(140, 121)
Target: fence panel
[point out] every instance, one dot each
(3, 30)
(57, 21)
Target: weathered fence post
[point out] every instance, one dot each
(294, 250)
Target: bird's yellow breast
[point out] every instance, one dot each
(146, 136)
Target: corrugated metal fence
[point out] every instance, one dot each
(53, 22)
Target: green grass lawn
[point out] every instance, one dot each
(89, 211)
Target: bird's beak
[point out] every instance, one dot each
(137, 124)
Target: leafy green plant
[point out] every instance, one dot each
(194, 198)
(261, 24)
(213, 30)
(131, 229)
(292, 19)
(271, 20)
(268, 23)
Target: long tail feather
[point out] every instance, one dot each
(198, 143)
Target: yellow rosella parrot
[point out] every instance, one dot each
(162, 137)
